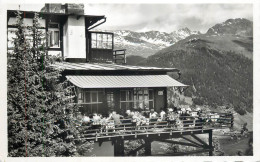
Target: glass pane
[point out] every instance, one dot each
(150, 105)
(123, 105)
(27, 21)
(123, 95)
(146, 92)
(93, 44)
(56, 38)
(150, 94)
(99, 44)
(109, 45)
(105, 45)
(146, 103)
(94, 97)
(100, 96)
(50, 39)
(109, 41)
(130, 106)
(42, 22)
(128, 96)
(80, 95)
(87, 97)
(94, 108)
(141, 105)
(93, 36)
(11, 37)
(99, 37)
(140, 97)
(109, 37)
(136, 104)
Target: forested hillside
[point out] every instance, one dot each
(215, 78)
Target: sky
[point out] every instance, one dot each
(160, 17)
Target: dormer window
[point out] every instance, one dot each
(54, 35)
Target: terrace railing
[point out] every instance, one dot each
(154, 126)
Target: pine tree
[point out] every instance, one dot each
(40, 113)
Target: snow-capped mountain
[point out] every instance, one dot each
(147, 43)
(238, 26)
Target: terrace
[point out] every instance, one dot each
(184, 126)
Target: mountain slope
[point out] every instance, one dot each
(218, 66)
(242, 27)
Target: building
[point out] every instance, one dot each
(104, 82)
(91, 63)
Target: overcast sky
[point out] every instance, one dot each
(161, 17)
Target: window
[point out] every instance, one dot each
(137, 98)
(110, 100)
(91, 100)
(101, 40)
(54, 35)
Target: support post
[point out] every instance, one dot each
(119, 147)
(124, 58)
(210, 143)
(232, 121)
(147, 147)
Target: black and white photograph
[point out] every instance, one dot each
(163, 79)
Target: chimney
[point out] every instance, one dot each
(53, 8)
(74, 9)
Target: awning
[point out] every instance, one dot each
(123, 81)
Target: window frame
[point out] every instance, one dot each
(103, 43)
(91, 104)
(136, 92)
(53, 30)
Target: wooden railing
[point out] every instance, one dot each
(119, 56)
(183, 124)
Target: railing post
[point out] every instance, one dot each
(148, 147)
(119, 147)
(210, 143)
(124, 58)
(115, 56)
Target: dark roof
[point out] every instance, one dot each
(12, 14)
(108, 67)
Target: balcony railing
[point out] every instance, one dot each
(119, 56)
(132, 127)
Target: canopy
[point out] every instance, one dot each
(123, 81)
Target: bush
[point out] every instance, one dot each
(197, 101)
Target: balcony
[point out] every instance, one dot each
(100, 48)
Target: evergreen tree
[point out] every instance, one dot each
(40, 112)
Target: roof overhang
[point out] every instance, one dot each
(123, 81)
(68, 66)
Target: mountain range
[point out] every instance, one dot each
(218, 65)
(145, 44)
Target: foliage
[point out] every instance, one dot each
(218, 78)
(174, 148)
(131, 145)
(40, 116)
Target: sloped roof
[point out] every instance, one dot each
(108, 67)
(123, 81)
